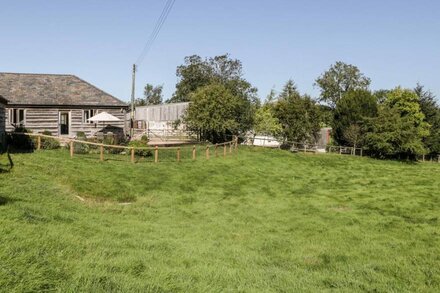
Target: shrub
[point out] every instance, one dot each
(79, 148)
(140, 144)
(80, 135)
(49, 143)
(144, 138)
(19, 142)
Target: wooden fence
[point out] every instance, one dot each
(193, 152)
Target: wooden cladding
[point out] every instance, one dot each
(48, 119)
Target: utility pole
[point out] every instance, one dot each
(132, 100)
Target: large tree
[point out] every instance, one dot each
(431, 110)
(399, 128)
(299, 115)
(216, 113)
(340, 79)
(349, 115)
(197, 72)
(266, 123)
(153, 94)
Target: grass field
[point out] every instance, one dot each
(264, 220)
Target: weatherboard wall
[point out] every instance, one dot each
(161, 113)
(48, 119)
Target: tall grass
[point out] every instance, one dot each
(265, 220)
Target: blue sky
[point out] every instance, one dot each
(393, 42)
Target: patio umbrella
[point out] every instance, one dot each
(104, 117)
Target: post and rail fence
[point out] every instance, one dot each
(150, 153)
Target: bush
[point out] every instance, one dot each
(49, 143)
(80, 148)
(80, 135)
(144, 138)
(141, 144)
(19, 142)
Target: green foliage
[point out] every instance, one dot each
(197, 73)
(143, 143)
(327, 115)
(153, 94)
(299, 115)
(431, 110)
(19, 142)
(262, 221)
(353, 135)
(266, 123)
(80, 148)
(340, 79)
(216, 113)
(81, 135)
(49, 143)
(350, 114)
(399, 128)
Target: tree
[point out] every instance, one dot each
(266, 123)
(153, 94)
(198, 72)
(431, 110)
(216, 113)
(351, 111)
(299, 115)
(399, 128)
(338, 80)
(353, 135)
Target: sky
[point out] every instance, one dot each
(394, 42)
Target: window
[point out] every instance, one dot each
(87, 114)
(16, 117)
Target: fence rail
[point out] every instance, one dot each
(304, 147)
(150, 153)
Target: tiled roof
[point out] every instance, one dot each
(53, 89)
(3, 100)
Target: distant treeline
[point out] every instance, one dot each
(388, 123)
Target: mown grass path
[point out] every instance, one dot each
(265, 220)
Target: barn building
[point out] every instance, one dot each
(159, 117)
(58, 103)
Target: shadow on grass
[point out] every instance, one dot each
(6, 168)
(5, 200)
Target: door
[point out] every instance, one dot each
(64, 123)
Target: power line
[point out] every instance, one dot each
(159, 23)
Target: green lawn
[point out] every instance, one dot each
(264, 220)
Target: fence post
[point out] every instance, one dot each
(102, 152)
(215, 150)
(236, 143)
(194, 152)
(305, 148)
(423, 158)
(156, 154)
(71, 149)
(340, 150)
(230, 147)
(132, 155)
(207, 152)
(178, 154)
(362, 151)
(224, 150)
(38, 143)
